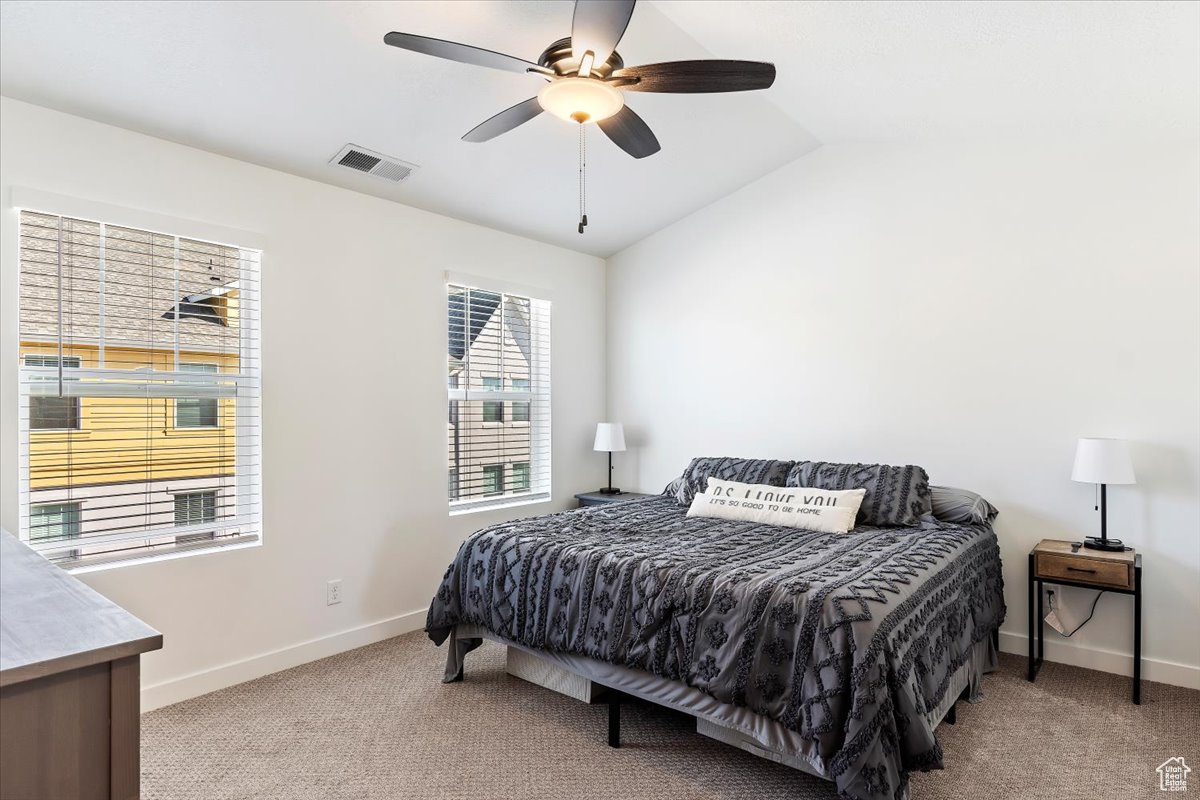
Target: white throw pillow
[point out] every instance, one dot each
(792, 507)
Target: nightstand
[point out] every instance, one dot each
(1053, 561)
(599, 498)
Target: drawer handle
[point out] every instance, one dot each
(1081, 569)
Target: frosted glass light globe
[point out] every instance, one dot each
(580, 99)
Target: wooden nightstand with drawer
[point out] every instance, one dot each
(1058, 562)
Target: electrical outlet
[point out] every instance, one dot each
(333, 592)
(1052, 616)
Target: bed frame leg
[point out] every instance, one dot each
(952, 715)
(614, 718)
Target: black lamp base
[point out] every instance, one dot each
(1096, 543)
(610, 490)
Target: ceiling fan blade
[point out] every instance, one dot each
(463, 53)
(696, 76)
(505, 121)
(598, 25)
(630, 133)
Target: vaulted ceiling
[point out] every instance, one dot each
(287, 84)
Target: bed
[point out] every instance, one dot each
(837, 654)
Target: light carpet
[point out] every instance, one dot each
(377, 723)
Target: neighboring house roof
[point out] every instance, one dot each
(142, 287)
(483, 305)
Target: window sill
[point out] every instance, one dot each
(102, 564)
(460, 507)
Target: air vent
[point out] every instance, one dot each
(361, 159)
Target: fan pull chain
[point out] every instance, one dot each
(583, 220)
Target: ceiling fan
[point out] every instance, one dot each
(587, 79)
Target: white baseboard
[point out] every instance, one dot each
(1153, 669)
(233, 673)
(210, 680)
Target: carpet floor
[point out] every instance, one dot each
(377, 723)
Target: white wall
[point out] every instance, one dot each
(969, 309)
(354, 396)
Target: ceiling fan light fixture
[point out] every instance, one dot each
(580, 99)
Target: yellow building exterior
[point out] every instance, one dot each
(124, 439)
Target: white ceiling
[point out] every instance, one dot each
(953, 71)
(286, 84)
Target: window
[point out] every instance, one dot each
(52, 412)
(159, 340)
(54, 521)
(521, 476)
(195, 508)
(499, 354)
(197, 412)
(493, 411)
(520, 409)
(493, 479)
(452, 484)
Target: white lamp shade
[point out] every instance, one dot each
(1102, 461)
(610, 437)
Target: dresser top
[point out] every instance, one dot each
(51, 622)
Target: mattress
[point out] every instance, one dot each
(851, 642)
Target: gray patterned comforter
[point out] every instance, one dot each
(847, 639)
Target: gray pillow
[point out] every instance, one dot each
(744, 470)
(895, 495)
(961, 505)
(672, 488)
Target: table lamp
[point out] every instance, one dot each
(610, 438)
(1102, 461)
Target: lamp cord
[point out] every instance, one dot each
(1089, 616)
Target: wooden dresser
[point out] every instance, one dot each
(69, 684)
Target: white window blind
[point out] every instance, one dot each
(498, 386)
(139, 385)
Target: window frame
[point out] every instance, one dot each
(206, 515)
(496, 471)
(246, 481)
(497, 407)
(189, 366)
(77, 521)
(196, 536)
(537, 397)
(528, 475)
(78, 400)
